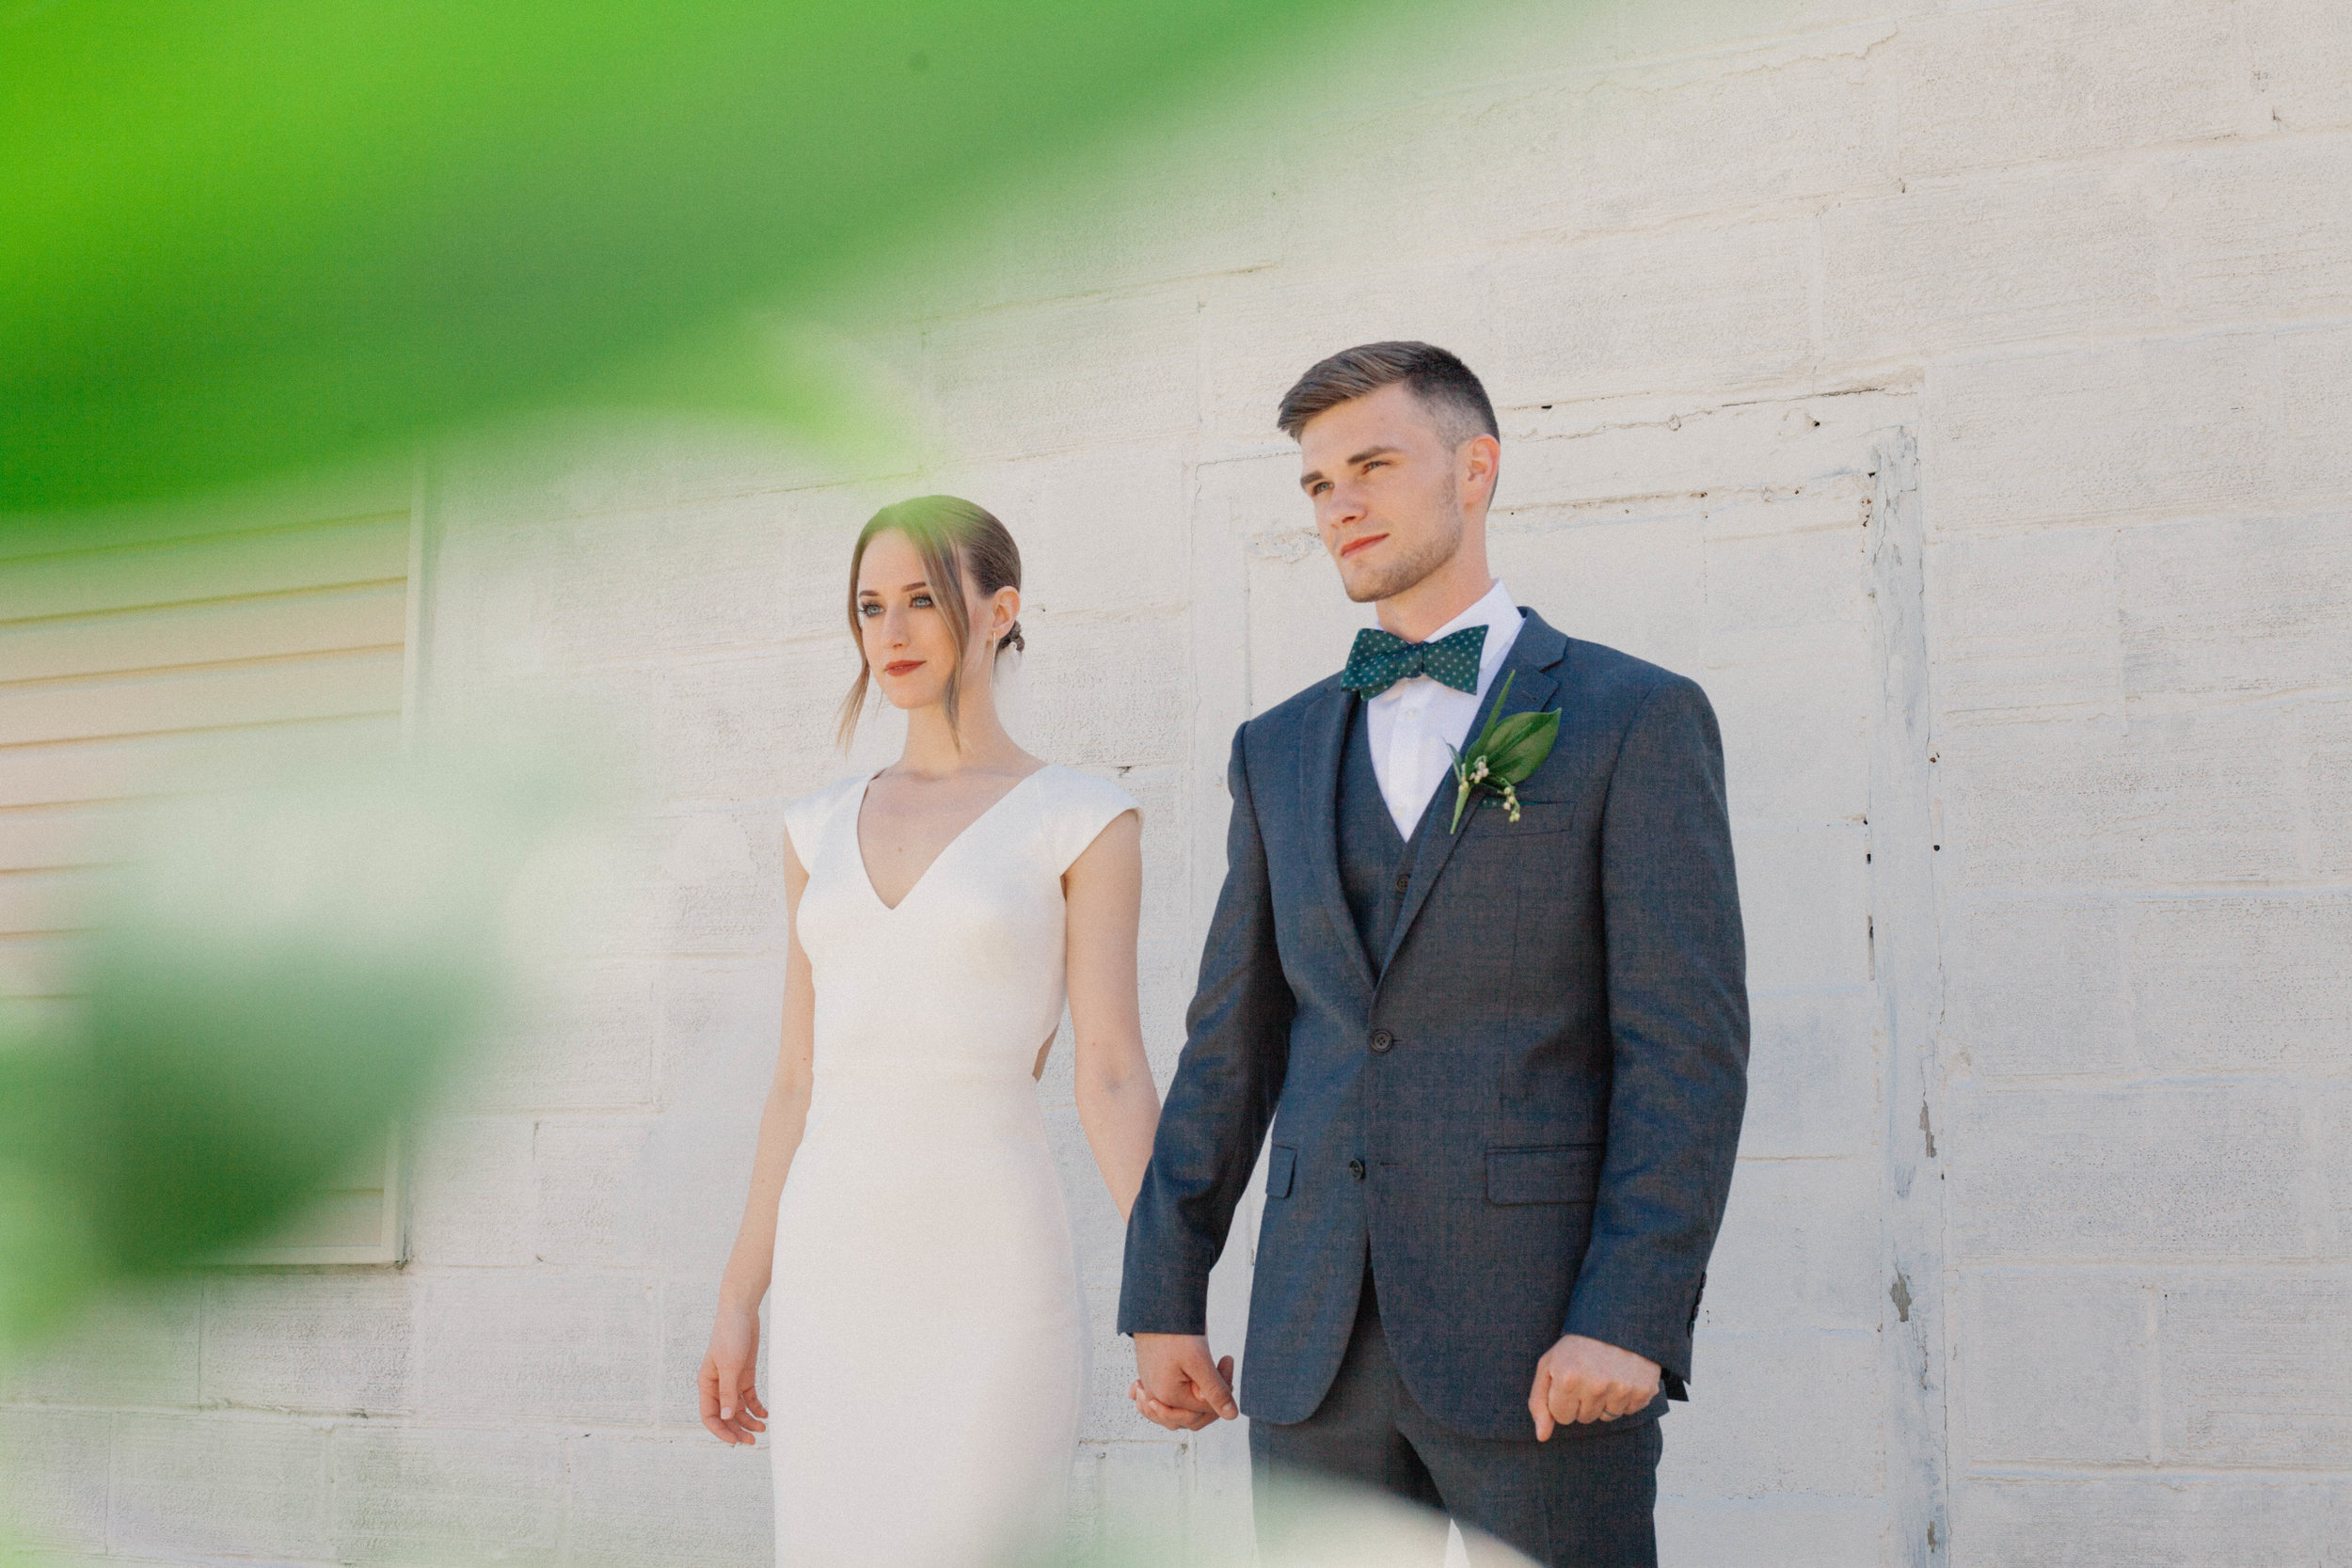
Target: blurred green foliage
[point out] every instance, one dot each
(250, 237)
(245, 236)
(266, 995)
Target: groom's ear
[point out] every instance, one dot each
(1478, 464)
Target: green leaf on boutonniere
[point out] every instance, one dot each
(1520, 742)
(1505, 752)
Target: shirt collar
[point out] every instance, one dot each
(1500, 614)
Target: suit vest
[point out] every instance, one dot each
(1373, 859)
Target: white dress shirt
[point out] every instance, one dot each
(1417, 719)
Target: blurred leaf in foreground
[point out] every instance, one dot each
(243, 236)
(265, 996)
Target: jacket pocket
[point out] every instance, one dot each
(1564, 1172)
(1280, 1163)
(1538, 816)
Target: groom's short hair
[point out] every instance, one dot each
(1454, 396)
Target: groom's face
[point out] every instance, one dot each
(1386, 492)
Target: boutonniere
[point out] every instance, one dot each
(1502, 756)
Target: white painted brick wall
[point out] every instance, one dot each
(1959, 390)
(433, 1495)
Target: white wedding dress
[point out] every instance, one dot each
(927, 1336)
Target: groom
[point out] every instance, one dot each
(1504, 1062)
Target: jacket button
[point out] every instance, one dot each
(1382, 1039)
(1355, 1169)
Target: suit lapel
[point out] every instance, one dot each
(1324, 749)
(1532, 655)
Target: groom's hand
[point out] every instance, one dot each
(1584, 1380)
(1178, 1385)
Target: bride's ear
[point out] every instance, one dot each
(1004, 621)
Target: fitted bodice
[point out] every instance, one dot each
(965, 973)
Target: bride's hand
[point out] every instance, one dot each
(1179, 1384)
(731, 1407)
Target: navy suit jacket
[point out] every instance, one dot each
(1540, 1081)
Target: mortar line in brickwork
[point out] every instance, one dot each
(1777, 211)
(221, 1414)
(2196, 1270)
(2150, 333)
(2128, 518)
(2189, 1270)
(2140, 157)
(2159, 1472)
(2013, 1085)
(2166, 705)
(1581, 79)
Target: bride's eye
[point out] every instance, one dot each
(920, 601)
(869, 609)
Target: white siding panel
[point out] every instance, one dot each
(44, 838)
(215, 566)
(274, 626)
(134, 666)
(328, 686)
(126, 767)
(36, 902)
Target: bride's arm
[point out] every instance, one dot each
(730, 1406)
(1118, 1104)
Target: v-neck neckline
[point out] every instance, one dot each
(858, 839)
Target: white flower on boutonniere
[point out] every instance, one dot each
(1503, 755)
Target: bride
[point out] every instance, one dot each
(929, 1339)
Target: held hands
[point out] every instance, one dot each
(731, 1407)
(1584, 1380)
(1178, 1385)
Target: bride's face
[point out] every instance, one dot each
(902, 625)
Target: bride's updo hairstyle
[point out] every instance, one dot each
(958, 543)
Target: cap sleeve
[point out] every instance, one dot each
(1086, 807)
(807, 819)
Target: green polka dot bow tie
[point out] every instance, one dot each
(1380, 659)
